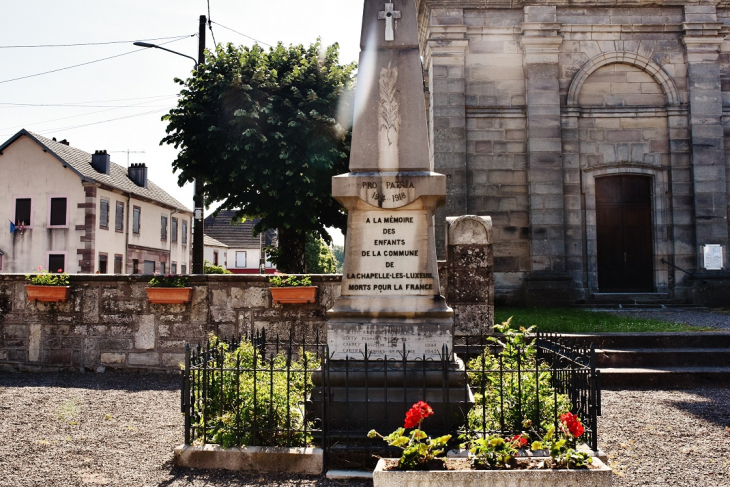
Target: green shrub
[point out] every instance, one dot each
(518, 392)
(210, 268)
(259, 402)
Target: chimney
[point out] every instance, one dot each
(64, 142)
(100, 161)
(138, 174)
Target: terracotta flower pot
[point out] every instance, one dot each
(49, 294)
(294, 295)
(169, 295)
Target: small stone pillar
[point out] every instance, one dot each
(470, 271)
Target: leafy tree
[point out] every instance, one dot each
(338, 251)
(318, 256)
(259, 129)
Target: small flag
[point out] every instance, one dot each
(12, 227)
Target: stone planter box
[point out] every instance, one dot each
(305, 461)
(593, 477)
(49, 294)
(294, 295)
(169, 295)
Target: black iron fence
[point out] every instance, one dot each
(255, 391)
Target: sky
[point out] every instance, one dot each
(116, 104)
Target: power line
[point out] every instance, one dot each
(86, 63)
(97, 123)
(241, 34)
(87, 114)
(84, 103)
(87, 43)
(210, 26)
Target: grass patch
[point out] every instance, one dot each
(574, 320)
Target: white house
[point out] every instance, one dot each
(82, 213)
(215, 252)
(243, 251)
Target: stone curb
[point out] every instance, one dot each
(305, 461)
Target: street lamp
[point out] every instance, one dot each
(147, 44)
(198, 250)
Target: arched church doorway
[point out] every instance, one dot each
(624, 234)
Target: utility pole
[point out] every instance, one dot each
(198, 245)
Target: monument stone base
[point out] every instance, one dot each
(361, 396)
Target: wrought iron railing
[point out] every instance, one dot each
(256, 391)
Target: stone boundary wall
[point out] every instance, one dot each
(109, 324)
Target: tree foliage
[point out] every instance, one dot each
(318, 256)
(259, 128)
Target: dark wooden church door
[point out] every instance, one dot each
(624, 231)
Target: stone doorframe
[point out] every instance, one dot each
(659, 214)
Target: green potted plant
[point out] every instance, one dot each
(290, 289)
(169, 289)
(47, 287)
(492, 460)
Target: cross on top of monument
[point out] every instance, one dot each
(388, 15)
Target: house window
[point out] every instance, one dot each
(149, 267)
(163, 227)
(104, 214)
(183, 269)
(184, 232)
(56, 263)
(135, 266)
(58, 212)
(173, 230)
(240, 259)
(162, 267)
(102, 264)
(118, 258)
(173, 268)
(136, 213)
(215, 257)
(22, 211)
(119, 217)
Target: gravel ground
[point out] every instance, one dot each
(712, 318)
(120, 429)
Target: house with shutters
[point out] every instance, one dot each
(242, 252)
(70, 210)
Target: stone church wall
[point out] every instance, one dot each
(530, 104)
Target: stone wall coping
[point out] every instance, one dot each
(192, 278)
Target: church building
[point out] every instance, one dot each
(594, 136)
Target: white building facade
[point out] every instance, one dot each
(81, 213)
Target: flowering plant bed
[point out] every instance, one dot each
(169, 289)
(458, 472)
(47, 287)
(287, 289)
(169, 295)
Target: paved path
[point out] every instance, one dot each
(120, 429)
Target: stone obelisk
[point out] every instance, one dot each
(390, 287)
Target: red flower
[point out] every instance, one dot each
(519, 440)
(417, 413)
(573, 424)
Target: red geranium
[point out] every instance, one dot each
(519, 440)
(417, 413)
(573, 424)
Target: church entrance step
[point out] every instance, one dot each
(657, 357)
(622, 341)
(670, 377)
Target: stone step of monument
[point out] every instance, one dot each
(664, 341)
(669, 377)
(636, 305)
(659, 357)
